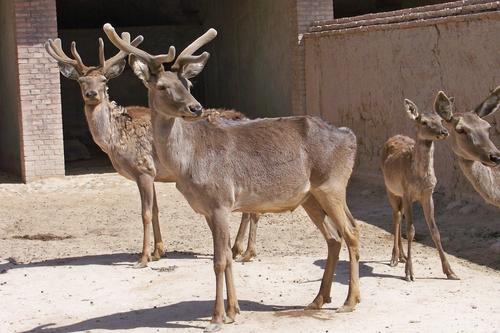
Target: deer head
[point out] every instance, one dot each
(93, 80)
(429, 126)
(169, 90)
(468, 131)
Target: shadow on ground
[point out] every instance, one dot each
(125, 259)
(462, 235)
(167, 316)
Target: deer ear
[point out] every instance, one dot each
(115, 70)
(140, 68)
(68, 71)
(490, 104)
(443, 105)
(411, 109)
(192, 69)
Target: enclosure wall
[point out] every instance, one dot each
(359, 77)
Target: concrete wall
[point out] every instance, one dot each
(10, 150)
(358, 78)
(251, 68)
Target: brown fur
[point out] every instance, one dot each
(408, 168)
(125, 135)
(262, 165)
(478, 157)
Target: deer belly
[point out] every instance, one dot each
(273, 200)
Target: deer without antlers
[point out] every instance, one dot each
(125, 135)
(478, 157)
(408, 168)
(263, 165)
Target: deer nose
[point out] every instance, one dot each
(91, 94)
(197, 109)
(444, 132)
(495, 158)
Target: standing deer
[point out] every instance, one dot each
(477, 156)
(263, 165)
(125, 133)
(408, 168)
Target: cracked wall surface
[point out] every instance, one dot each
(359, 79)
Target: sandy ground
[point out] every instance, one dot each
(86, 283)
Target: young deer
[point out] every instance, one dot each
(125, 133)
(408, 168)
(478, 157)
(263, 165)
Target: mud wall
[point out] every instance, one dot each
(357, 75)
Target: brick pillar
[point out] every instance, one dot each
(308, 11)
(42, 152)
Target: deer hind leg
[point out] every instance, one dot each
(218, 224)
(146, 190)
(410, 233)
(333, 240)
(336, 208)
(240, 237)
(159, 249)
(397, 250)
(251, 252)
(428, 206)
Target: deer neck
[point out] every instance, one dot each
(423, 163)
(100, 124)
(174, 141)
(485, 180)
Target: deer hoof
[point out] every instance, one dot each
(345, 308)
(409, 278)
(213, 327)
(141, 264)
(394, 262)
(236, 251)
(452, 276)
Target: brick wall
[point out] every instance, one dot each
(308, 11)
(39, 90)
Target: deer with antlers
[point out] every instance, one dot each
(257, 166)
(408, 169)
(125, 135)
(478, 157)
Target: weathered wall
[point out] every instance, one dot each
(9, 92)
(359, 77)
(252, 57)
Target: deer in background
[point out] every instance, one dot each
(408, 169)
(262, 165)
(477, 156)
(125, 133)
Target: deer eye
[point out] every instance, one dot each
(161, 87)
(460, 130)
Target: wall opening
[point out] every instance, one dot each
(162, 23)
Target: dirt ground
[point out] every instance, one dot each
(67, 247)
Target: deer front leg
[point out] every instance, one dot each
(146, 190)
(240, 237)
(428, 206)
(250, 252)
(410, 233)
(222, 266)
(159, 247)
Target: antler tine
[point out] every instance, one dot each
(154, 62)
(78, 59)
(102, 59)
(121, 54)
(54, 48)
(185, 56)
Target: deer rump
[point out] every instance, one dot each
(261, 165)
